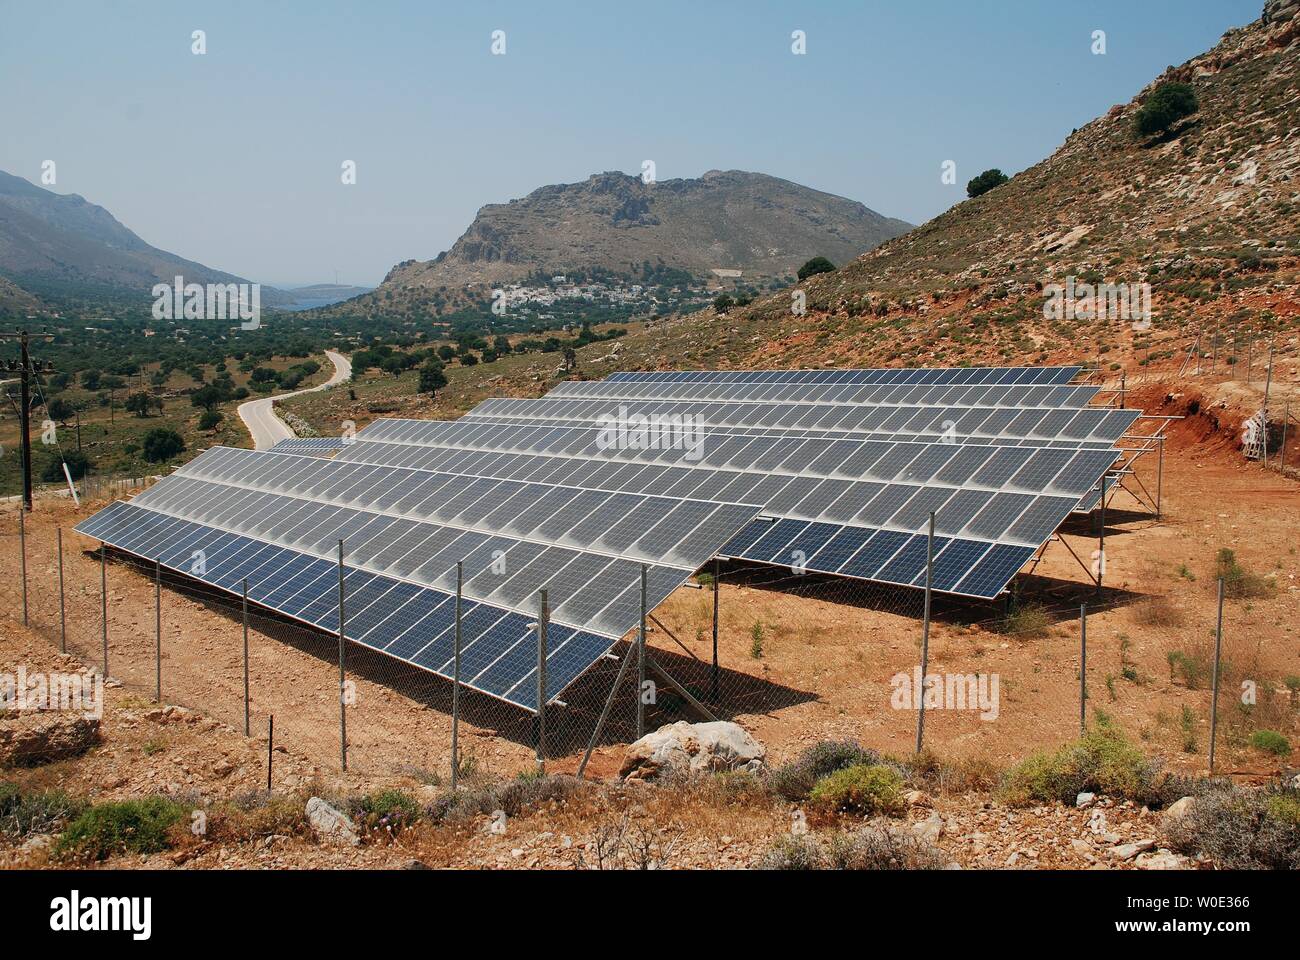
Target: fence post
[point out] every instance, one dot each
(1083, 669)
(714, 677)
(343, 717)
(1214, 685)
(542, 614)
(63, 614)
(640, 663)
(1160, 476)
(270, 746)
(157, 631)
(245, 611)
(919, 695)
(455, 681)
(103, 600)
(22, 552)
(1286, 423)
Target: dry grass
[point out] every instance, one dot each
(1157, 612)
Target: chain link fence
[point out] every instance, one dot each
(794, 657)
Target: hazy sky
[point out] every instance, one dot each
(233, 158)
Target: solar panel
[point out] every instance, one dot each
(1061, 374)
(1010, 395)
(1041, 424)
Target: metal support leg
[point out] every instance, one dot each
(919, 695)
(714, 675)
(542, 614)
(63, 612)
(455, 681)
(640, 664)
(1214, 684)
(343, 715)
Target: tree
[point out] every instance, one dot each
(722, 302)
(209, 420)
(60, 410)
(78, 465)
(139, 404)
(445, 353)
(90, 379)
(1167, 104)
(815, 266)
(468, 359)
(432, 378)
(162, 444)
(985, 182)
(207, 397)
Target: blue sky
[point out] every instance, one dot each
(233, 158)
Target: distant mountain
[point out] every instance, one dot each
(51, 242)
(731, 220)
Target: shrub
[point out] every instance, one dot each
(985, 182)
(874, 847)
(1241, 829)
(42, 812)
(815, 266)
(869, 789)
(1028, 622)
(386, 812)
(1167, 104)
(1270, 741)
(1102, 761)
(78, 465)
(794, 781)
(1239, 583)
(209, 420)
(132, 826)
(254, 815)
(1157, 612)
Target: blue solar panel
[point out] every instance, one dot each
(401, 619)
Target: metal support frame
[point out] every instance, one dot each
(604, 713)
(455, 681)
(63, 612)
(919, 695)
(343, 715)
(640, 658)
(103, 600)
(1214, 684)
(247, 731)
(713, 674)
(157, 631)
(1083, 669)
(542, 614)
(686, 694)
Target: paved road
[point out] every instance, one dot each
(259, 416)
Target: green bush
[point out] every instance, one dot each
(874, 847)
(131, 826)
(1167, 104)
(985, 182)
(162, 444)
(1239, 583)
(42, 812)
(388, 811)
(815, 266)
(1270, 741)
(794, 781)
(209, 420)
(869, 789)
(1100, 762)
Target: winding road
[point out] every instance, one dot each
(259, 416)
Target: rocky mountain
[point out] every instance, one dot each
(53, 241)
(725, 220)
(1207, 213)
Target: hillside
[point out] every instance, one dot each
(1208, 215)
(763, 226)
(61, 242)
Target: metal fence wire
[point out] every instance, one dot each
(794, 657)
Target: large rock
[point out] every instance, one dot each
(331, 824)
(45, 736)
(1176, 811)
(692, 748)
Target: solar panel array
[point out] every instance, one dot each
(576, 491)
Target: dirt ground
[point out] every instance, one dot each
(824, 656)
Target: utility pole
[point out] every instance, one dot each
(25, 409)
